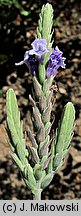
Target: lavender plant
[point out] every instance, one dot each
(41, 158)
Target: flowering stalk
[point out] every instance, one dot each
(39, 159)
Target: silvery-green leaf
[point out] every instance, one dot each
(44, 29)
(39, 172)
(30, 177)
(65, 129)
(14, 125)
(18, 162)
(43, 160)
(57, 160)
(47, 128)
(37, 87)
(46, 181)
(13, 115)
(47, 84)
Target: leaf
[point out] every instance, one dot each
(57, 160)
(47, 128)
(44, 29)
(43, 148)
(15, 132)
(47, 84)
(47, 113)
(37, 88)
(65, 128)
(30, 177)
(42, 102)
(40, 136)
(39, 172)
(46, 181)
(34, 154)
(37, 118)
(32, 138)
(46, 88)
(13, 115)
(18, 162)
(43, 161)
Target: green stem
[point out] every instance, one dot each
(37, 195)
(42, 73)
(37, 192)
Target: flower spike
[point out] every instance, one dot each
(41, 153)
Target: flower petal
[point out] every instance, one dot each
(19, 63)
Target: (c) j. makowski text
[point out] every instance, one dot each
(51, 207)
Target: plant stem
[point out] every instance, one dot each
(37, 195)
(37, 192)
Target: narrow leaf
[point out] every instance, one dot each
(65, 129)
(46, 181)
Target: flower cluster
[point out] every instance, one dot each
(39, 49)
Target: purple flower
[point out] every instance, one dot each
(25, 61)
(56, 60)
(31, 63)
(29, 60)
(39, 47)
